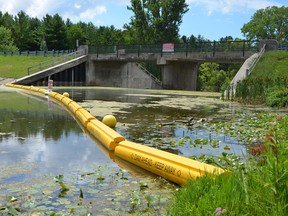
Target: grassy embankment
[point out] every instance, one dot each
(267, 84)
(16, 66)
(257, 186)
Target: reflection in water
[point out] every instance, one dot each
(39, 140)
(36, 131)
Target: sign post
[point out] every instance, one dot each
(50, 85)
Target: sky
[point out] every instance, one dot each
(211, 19)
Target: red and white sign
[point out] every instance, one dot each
(50, 85)
(168, 47)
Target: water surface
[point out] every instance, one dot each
(39, 141)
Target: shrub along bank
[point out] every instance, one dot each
(256, 186)
(267, 84)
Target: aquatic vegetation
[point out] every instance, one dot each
(85, 193)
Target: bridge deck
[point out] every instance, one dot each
(222, 51)
(221, 57)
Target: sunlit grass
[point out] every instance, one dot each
(16, 66)
(267, 81)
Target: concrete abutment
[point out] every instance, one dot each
(180, 75)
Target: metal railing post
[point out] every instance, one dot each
(138, 51)
(243, 48)
(214, 48)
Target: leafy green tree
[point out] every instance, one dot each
(21, 31)
(268, 23)
(156, 21)
(37, 34)
(74, 33)
(6, 41)
(211, 78)
(90, 32)
(109, 35)
(6, 20)
(55, 32)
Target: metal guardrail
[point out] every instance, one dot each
(38, 53)
(283, 47)
(214, 46)
(55, 61)
(254, 63)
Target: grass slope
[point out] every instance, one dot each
(16, 66)
(273, 63)
(267, 83)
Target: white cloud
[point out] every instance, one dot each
(121, 2)
(12, 6)
(92, 12)
(77, 6)
(34, 8)
(39, 8)
(228, 6)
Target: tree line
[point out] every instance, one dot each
(152, 22)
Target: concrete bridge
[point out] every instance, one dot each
(120, 65)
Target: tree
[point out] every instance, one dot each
(6, 20)
(74, 33)
(6, 41)
(268, 23)
(55, 32)
(21, 31)
(109, 35)
(156, 21)
(211, 77)
(37, 34)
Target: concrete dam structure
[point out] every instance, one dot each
(122, 66)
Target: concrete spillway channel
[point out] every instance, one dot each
(170, 166)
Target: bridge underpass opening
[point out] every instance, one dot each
(75, 76)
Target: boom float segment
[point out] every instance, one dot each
(83, 116)
(98, 133)
(109, 131)
(66, 101)
(176, 168)
(173, 167)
